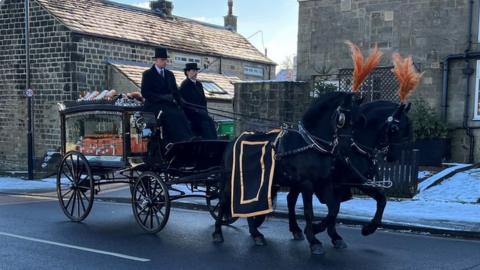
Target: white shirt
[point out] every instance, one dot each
(160, 71)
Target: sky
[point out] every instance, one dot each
(276, 19)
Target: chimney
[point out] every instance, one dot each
(230, 19)
(163, 7)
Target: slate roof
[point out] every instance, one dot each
(133, 71)
(109, 19)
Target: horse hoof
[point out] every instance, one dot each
(368, 229)
(259, 241)
(317, 249)
(298, 236)
(217, 238)
(339, 244)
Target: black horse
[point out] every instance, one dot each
(386, 130)
(328, 123)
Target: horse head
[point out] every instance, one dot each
(345, 118)
(332, 119)
(397, 132)
(387, 129)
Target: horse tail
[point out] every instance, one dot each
(406, 75)
(361, 67)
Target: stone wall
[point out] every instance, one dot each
(12, 75)
(278, 101)
(429, 30)
(50, 80)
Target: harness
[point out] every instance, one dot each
(312, 141)
(373, 154)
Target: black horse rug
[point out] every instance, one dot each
(253, 167)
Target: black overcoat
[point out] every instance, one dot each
(195, 108)
(162, 94)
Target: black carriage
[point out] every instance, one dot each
(106, 142)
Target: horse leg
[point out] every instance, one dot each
(253, 224)
(381, 203)
(329, 222)
(315, 245)
(292, 198)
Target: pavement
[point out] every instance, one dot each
(450, 218)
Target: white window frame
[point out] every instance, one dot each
(253, 71)
(219, 91)
(476, 115)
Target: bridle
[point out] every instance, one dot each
(374, 154)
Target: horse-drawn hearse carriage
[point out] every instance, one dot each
(336, 147)
(107, 142)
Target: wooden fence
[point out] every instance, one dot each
(403, 173)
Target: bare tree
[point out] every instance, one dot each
(287, 63)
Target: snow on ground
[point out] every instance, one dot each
(427, 182)
(463, 187)
(17, 184)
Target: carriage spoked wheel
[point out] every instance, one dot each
(151, 202)
(75, 188)
(213, 204)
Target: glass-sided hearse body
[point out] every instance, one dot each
(106, 141)
(104, 133)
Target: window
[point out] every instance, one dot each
(476, 115)
(381, 29)
(253, 71)
(213, 88)
(183, 59)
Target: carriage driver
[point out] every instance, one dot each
(195, 105)
(160, 91)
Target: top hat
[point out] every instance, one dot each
(190, 66)
(161, 52)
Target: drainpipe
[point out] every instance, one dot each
(468, 71)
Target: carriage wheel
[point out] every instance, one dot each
(151, 202)
(213, 204)
(75, 188)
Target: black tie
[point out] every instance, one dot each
(162, 74)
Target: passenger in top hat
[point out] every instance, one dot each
(160, 91)
(195, 106)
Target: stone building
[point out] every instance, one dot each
(441, 35)
(80, 45)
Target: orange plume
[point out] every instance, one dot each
(361, 67)
(406, 75)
